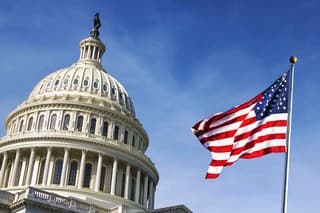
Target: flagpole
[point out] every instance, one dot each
(293, 60)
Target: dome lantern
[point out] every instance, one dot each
(92, 48)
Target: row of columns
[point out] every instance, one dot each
(90, 52)
(147, 190)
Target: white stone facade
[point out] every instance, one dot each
(77, 135)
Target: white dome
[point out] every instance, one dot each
(85, 79)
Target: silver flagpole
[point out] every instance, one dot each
(293, 60)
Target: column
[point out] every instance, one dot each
(46, 167)
(23, 171)
(98, 173)
(3, 167)
(145, 192)
(151, 196)
(30, 166)
(15, 167)
(94, 52)
(137, 190)
(126, 189)
(64, 167)
(82, 167)
(114, 177)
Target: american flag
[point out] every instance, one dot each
(251, 130)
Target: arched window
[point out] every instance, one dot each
(57, 172)
(87, 175)
(30, 123)
(116, 133)
(41, 122)
(93, 125)
(6, 180)
(102, 178)
(73, 173)
(66, 122)
(41, 170)
(125, 140)
(105, 129)
(53, 121)
(21, 126)
(79, 123)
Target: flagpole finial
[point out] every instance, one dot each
(293, 59)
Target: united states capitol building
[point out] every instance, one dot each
(76, 145)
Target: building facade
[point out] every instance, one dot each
(76, 145)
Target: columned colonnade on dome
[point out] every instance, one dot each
(76, 169)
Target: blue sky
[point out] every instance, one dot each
(182, 61)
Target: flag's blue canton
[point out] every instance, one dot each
(274, 99)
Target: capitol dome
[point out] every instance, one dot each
(77, 136)
(86, 79)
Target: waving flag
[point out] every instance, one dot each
(251, 130)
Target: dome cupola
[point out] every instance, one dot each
(92, 48)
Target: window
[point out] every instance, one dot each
(105, 129)
(73, 173)
(132, 187)
(65, 82)
(6, 182)
(79, 123)
(125, 140)
(85, 83)
(116, 133)
(57, 172)
(30, 123)
(95, 85)
(87, 175)
(53, 121)
(123, 182)
(133, 140)
(21, 126)
(41, 122)
(102, 178)
(17, 178)
(41, 170)
(113, 91)
(105, 88)
(75, 81)
(141, 195)
(66, 122)
(93, 125)
(56, 83)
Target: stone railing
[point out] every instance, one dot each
(56, 201)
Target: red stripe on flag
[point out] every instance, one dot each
(212, 176)
(260, 128)
(220, 148)
(218, 162)
(231, 121)
(265, 151)
(233, 110)
(260, 139)
(222, 135)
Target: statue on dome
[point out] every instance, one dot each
(96, 25)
